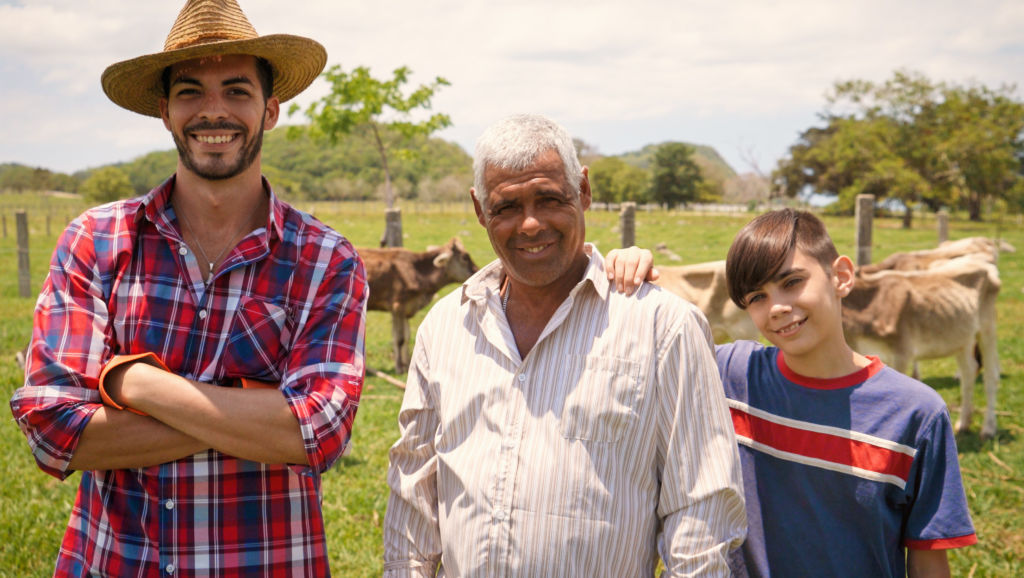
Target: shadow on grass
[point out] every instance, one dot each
(971, 442)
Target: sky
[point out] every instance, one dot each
(745, 77)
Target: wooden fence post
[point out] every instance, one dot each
(3, 218)
(942, 220)
(392, 227)
(24, 280)
(627, 224)
(865, 213)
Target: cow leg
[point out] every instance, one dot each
(990, 365)
(403, 350)
(399, 331)
(968, 371)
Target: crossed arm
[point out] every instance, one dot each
(185, 417)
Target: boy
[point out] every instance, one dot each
(846, 462)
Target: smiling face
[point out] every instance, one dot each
(216, 113)
(535, 222)
(799, 309)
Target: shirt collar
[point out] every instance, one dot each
(487, 280)
(156, 202)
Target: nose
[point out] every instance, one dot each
(780, 308)
(531, 223)
(212, 106)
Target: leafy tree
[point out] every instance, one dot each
(357, 100)
(912, 140)
(613, 180)
(106, 184)
(675, 177)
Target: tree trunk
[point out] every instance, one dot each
(389, 193)
(974, 207)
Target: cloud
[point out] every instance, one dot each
(731, 74)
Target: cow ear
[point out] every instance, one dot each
(442, 259)
(843, 275)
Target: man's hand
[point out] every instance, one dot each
(628, 268)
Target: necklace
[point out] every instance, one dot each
(504, 298)
(211, 262)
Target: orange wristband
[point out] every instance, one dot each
(248, 383)
(119, 360)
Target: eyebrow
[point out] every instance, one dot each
(786, 273)
(227, 82)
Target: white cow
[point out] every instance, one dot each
(703, 284)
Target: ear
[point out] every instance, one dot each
(272, 114)
(164, 115)
(476, 207)
(843, 275)
(585, 194)
(442, 259)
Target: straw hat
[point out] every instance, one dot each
(206, 28)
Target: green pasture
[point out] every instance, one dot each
(34, 507)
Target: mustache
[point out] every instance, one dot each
(205, 125)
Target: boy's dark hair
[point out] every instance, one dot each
(762, 246)
(264, 71)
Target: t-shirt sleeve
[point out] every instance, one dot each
(939, 518)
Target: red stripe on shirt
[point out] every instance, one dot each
(942, 544)
(822, 446)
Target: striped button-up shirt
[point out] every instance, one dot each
(286, 306)
(608, 445)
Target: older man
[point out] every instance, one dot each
(198, 351)
(551, 426)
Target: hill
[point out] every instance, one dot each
(713, 167)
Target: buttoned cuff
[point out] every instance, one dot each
(119, 360)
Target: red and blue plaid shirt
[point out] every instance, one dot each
(286, 306)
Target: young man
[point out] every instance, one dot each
(849, 467)
(551, 426)
(198, 352)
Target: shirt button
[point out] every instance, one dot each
(202, 314)
(169, 504)
(169, 568)
(522, 377)
(499, 514)
(183, 250)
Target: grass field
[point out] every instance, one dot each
(34, 507)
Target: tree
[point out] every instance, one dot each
(358, 100)
(675, 177)
(106, 184)
(912, 140)
(613, 180)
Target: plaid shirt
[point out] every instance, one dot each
(287, 306)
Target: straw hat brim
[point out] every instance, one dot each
(136, 84)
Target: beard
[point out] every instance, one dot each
(219, 167)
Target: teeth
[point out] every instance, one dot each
(790, 327)
(534, 249)
(214, 139)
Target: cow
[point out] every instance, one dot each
(703, 284)
(902, 316)
(402, 282)
(981, 248)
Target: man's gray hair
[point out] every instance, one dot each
(515, 142)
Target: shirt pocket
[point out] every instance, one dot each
(603, 403)
(258, 341)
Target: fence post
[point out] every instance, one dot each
(865, 214)
(24, 280)
(627, 224)
(942, 219)
(392, 228)
(3, 217)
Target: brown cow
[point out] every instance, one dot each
(902, 316)
(403, 282)
(703, 284)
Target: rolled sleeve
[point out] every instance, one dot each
(326, 379)
(412, 536)
(701, 503)
(70, 344)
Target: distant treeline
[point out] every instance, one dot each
(301, 168)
